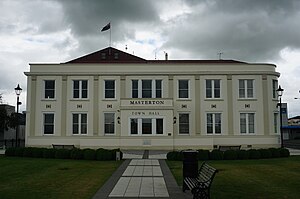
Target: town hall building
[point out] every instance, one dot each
(112, 99)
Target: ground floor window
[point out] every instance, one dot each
(247, 124)
(275, 122)
(79, 121)
(184, 123)
(48, 123)
(213, 123)
(146, 126)
(109, 123)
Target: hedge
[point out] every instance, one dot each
(233, 154)
(77, 154)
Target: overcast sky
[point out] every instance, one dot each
(60, 30)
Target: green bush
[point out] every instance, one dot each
(62, 154)
(216, 155)
(19, 151)
(37, 152)
(10, 151)
(49, 153)
(275, 152)
(243, 154)
(76, 154)
(254, 154)
(203, 154)
(284, 152)
(230, 155)
(175, 155)
(89, 154)
(28, 152)
(265, 153)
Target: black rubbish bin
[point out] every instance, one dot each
(190, 165)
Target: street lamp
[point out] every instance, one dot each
(18, 91)
(279, 93)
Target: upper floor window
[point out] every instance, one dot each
(48, 123)
(184, 123)
(109, 88)
(79, 122)
(274, 88)
(80, 89)
(213, 88)
(246, 88)
(109, 123)
(247, 124)
(49, 89)
(146, 88)
(183, 88)
(213, 123)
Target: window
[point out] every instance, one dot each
(275, 122)
(184, 124)
(135, 88)
(109, 88)
(49, 123)
(213, 125)
(158, 89)
(213, 88)
(109, 123)
(246, 88)
(247, 123)
(146, 126)
(134, 126)
(80, 89)
(49, 89)
(274, 88)
(159, 126)
(79, 123)
(183, 88)
(146, 88)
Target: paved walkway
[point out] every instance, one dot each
(142, 178)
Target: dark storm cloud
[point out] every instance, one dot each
(247, 30)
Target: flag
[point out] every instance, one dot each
(107, 27)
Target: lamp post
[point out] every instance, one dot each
(18, 91)
(279, 93)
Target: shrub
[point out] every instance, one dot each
(243, 154)
(284, 152)
(37, 152)
(230, 155)
(19, 151)
(49, 153)
(10, 151)
(62, 154)
(89, 154)
(76, 154)
(203, 154)
(216, 155)
(175, 155)
(265, 153)
(171, 155)
(28, 152)
(254, 154)
(275, 152)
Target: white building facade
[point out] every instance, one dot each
(112, 99)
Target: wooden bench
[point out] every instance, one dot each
(200, 186)
(226, 148)
(63, 146)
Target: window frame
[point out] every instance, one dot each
(137, 88)
(187, 124)
(80, 89)
(105, 89)
(80, 123)
(246, 88)
(188, 89)
(113, 123)
(214, 123)
(139, 126)
(213, 88)
(247, 123)
(276, 122)
(53, 90)
(274, 88)
(44, 123)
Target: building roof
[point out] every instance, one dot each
(113, 55)
(296, 117)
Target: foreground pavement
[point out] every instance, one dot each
(142, 178)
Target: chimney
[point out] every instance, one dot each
(166, 56)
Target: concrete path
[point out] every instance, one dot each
(142, 178)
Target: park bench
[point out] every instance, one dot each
(200, 186)
(63, 146)
(226, 147)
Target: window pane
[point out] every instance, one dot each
(208, 88)
(158, 92)
(183, 123)
(84, 118)
(110, 84)
(146, 88)
(146, 126)
(109, 120)
(183, 88)
(84, 93)
(49, 123)
(218, 123)
(217, 88)
(75, 89)
(159, 126)
(49, 89)
(49, 118)
(75, 124)
(134, 126)
(83, 129)
(48, 129)
(135, 89)
(84, 84)
(183, 84)
(251, 122)
(243, 123)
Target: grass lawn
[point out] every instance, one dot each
(267, 178)
(52, 178)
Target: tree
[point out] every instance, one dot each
(4, 119)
